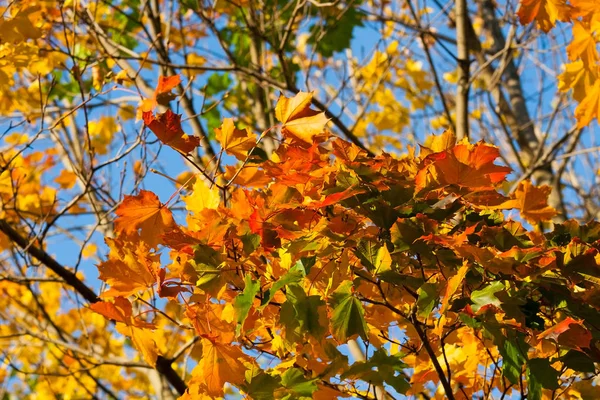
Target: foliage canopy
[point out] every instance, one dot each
(254, 239)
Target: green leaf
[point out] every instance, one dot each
(379, 369)
(262, 386)
(217, 83)
(348, 316)
(302, 314)
(428, 299)
(578, 361)
(541, 370)
(534, 386)
(243, 301)
(512, 348)
(338, 32)
(294, 381)
(206, 255)
(487, 296)
(294, 275)
(367, 251)
(250, 241)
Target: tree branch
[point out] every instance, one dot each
(163, 365)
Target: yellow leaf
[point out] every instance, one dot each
(578, 77)
(202, 197)
(89, 250)
(589, 108)
(298, 119)
(236, 142)
(453, 285)
(101, 133)
(383, 262)
(583, 45)
(436, 144)
(142, 340)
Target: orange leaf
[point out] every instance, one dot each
(298, 119)
(162, 94)
(544, 12)
(236, 142)
(570, 332)
(119, 310)
(220, 363)
(532, 202)
(129, 268)
(167, 127)
(463, 165)
(146, 213)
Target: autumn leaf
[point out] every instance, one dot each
(146, 214)
(298, 119)
(167, 128)
(348, 318)
(464, 165)
(438, 143)
(203, 197)
(162, 94)
(544, 12)
(453, 285)
(236, 142)
(578, 77)
(129, 268)
(142, 340)
(119, 310)
(583, 45)
(220, 363)
(569, 332)
(532, 202)
(589, 108)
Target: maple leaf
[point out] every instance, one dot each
(569, 332)
(203, 197)
(531, 201)
(578, 77)
(464, 165)
(545, 12)
(589, 108)
(161, 94)
(220, 363)
(119, 310)
(298, 119)
(453, 285)
(129, 268)
(167, 128)
(236, 142)
(144, 212)
(438, 143)
(583, 45)
(583, 8)
(142, 339)
(348, 316)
